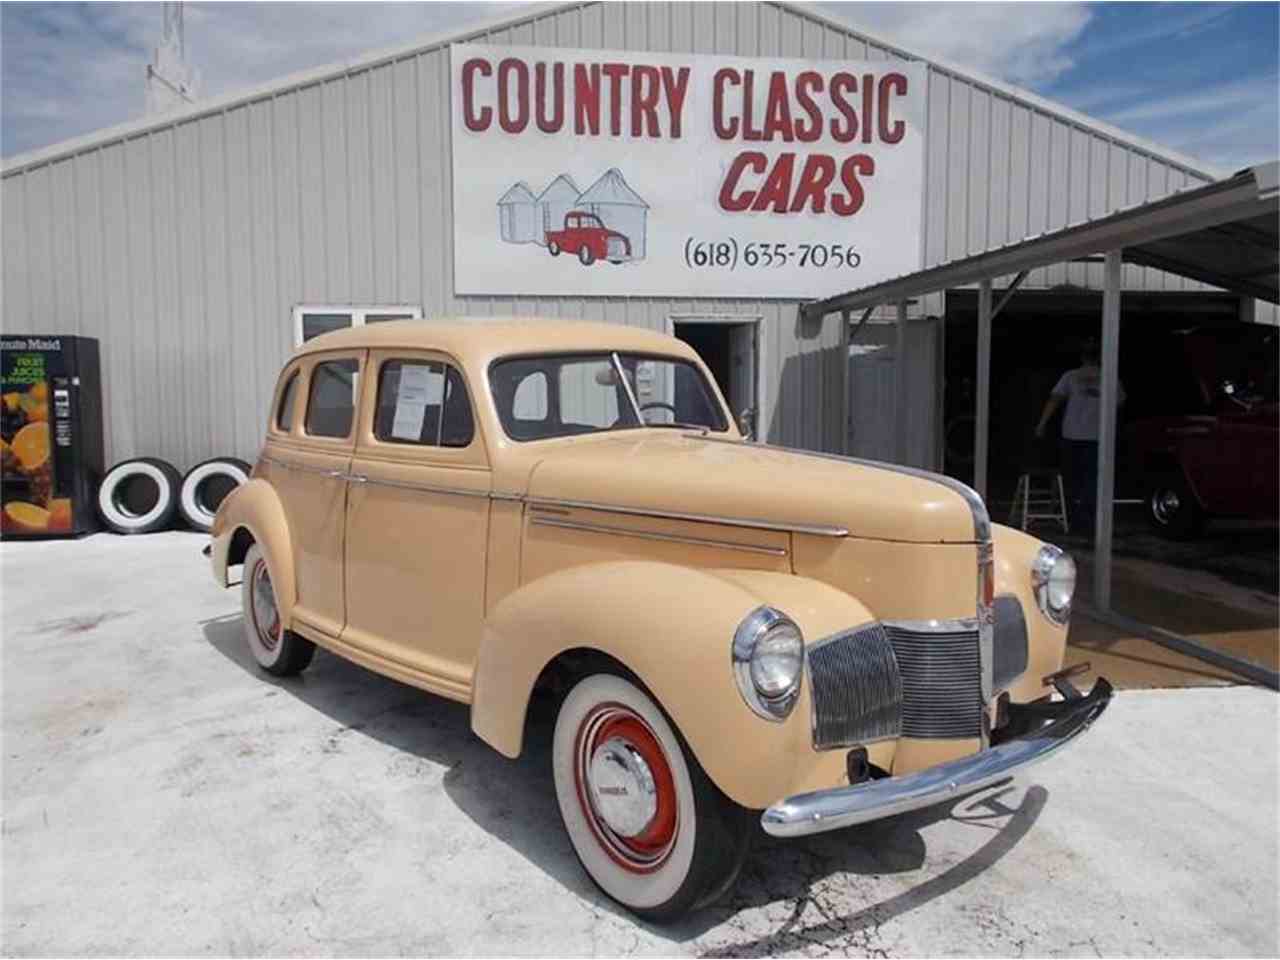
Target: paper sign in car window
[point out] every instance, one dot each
(420, 385)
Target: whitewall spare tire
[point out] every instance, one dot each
(205, 486)
(139, 496)
(647, 824)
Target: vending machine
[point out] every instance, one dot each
(50, 435)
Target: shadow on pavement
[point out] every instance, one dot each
(514, 801)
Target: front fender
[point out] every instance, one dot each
(1015, 552)
(255, 507)
(672, 626)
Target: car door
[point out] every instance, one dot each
(417, 521)
(308, 467)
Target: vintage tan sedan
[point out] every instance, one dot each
(738, 635)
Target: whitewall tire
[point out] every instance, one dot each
(646, 823)
(139, 496)
(277, 650)
(205, 486)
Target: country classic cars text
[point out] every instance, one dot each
(818, 120)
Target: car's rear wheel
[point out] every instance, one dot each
(1172, 508)
(645, 821)
(586, 256)
(553, 248)
(277, 650)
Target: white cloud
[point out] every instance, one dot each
(1023, 43)
(70, 69)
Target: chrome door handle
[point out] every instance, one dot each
(335, 474)
(357, 478)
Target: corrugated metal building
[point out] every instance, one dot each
(184, 242)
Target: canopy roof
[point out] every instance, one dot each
(1223, 233)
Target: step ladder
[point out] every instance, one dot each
(1039, 496)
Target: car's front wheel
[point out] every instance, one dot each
(586, 256)
(277, 650)
(644, 819)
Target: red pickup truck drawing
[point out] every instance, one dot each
(585, 235)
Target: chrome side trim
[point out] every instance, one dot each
(817, 530)
(302, 468)
(822, 810)
(546, 521)
(423, 487)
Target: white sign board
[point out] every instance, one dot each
(603, 173)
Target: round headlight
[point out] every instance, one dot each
(1053, 577)
(768, 661)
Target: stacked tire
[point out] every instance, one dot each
(146, 494)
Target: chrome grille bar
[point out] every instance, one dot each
(941, 669)
(856, 687)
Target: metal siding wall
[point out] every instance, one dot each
(185, 248)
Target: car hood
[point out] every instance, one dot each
(673, 472)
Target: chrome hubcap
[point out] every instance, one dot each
(626, 788)
(1165, 504)
(622, 787)
(266, 619)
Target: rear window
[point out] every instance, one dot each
(331, 405)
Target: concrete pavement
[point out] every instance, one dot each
(161, 795)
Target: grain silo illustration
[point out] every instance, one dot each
(559, 198)
(518, 219)
(619, 208)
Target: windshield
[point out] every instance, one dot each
(565, 395)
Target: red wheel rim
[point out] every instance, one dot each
(646, 850)
(266, 615)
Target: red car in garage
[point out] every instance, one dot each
(1216, 452)
(586, 236)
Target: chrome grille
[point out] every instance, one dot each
(857, 692)
(1009, 656)
(941, 680)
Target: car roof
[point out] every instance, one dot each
(481, 340)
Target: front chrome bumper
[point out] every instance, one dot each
(824, 810)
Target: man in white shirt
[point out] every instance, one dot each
(1081, 390)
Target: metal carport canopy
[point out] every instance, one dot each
(1224, 234)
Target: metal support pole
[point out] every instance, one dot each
(982, 412)
(1107, 430)
(845, 337)
(900, 382)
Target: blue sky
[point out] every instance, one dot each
(1201, 78)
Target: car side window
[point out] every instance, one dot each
(331, 402)
(284, 412)
(423, 402)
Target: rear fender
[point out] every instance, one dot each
(255, 508)
(671, 626)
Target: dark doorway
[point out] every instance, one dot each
(731, 350)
